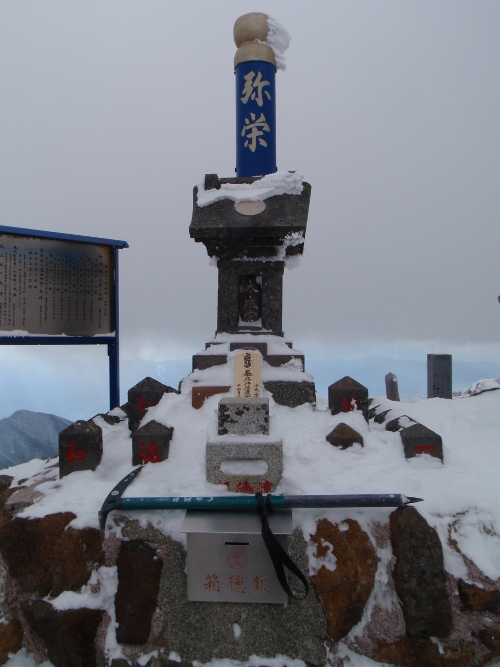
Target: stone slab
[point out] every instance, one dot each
(261, 347)
(200, 394)
(270, 451)
(439, 376)
(243, 416)
(203, 361)
(291, 393)
(277, 360)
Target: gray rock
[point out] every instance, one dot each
(419, 575)
(244, 416)
(291, 393)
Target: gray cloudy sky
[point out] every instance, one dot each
(111, 112)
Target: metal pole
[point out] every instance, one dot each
(113, 346)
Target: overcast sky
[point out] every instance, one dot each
(110, 113)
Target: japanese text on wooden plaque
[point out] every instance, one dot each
(247, 374)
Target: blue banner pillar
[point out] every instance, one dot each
(255, 73)
(255, 118)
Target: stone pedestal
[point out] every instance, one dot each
(251, 249)
(220, 450)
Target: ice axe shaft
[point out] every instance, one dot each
(239, 502)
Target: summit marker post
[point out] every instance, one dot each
(255, 70)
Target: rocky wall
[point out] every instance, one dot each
(382, 593)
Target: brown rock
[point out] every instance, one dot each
(419, 575)
(344, 436)
(69, 636)
(491, 639)
(5, 492)
(139, 572)
(11, 639)
(344, 591)
(46, 559)
(162, 661)
(474, 598)
(459, 658)
(410, 653)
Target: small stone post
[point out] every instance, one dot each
(80, 447)
(391, 387)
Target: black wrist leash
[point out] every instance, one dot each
(279, 556)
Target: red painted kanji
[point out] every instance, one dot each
(348, 404)
(244, 487)
(424, 448)
(73, 454)
(149, 453)
(142, 405)
(236, 583)
(260, 584)
(265, 487)
(212, 583)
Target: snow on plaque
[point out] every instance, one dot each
(247, 374)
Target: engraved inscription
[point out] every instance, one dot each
(53, 287)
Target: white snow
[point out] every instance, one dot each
(278, 38)
(279, 183)
(461, 496)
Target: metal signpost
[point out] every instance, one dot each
(60, 289)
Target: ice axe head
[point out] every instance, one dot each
(114, 499)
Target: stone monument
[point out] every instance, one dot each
(252, 225)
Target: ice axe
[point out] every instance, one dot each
(279, 556)
(240, 502)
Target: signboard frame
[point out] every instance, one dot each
(111, 340)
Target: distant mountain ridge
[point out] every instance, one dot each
(27, 435)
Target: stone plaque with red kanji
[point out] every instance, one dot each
(151, 443)
(347, 395)
(142, 396)
(418, 439)
(80, 447)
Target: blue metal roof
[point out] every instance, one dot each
(20, 231)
